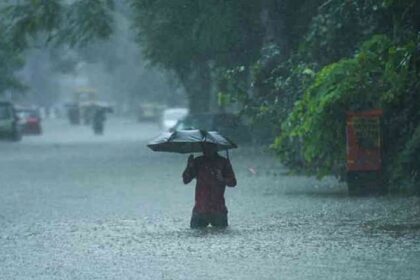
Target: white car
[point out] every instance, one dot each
(170, 117)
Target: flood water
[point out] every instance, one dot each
(78, 206)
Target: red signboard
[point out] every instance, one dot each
(364, 140)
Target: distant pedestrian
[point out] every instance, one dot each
(99, 118)
(212, 173)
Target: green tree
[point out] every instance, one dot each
(316, 65)
(10, 61)
(194, 38)
(383, 74)
(56, 22)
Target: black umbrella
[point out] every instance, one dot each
(189, 141)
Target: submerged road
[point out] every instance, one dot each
(78, 206)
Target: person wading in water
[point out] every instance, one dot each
(212, 173)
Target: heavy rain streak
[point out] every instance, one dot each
(208, 139)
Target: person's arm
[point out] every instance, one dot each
(190, 171)
(229, 175)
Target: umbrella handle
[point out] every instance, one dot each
(227, 153)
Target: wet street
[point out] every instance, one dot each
(78, 206)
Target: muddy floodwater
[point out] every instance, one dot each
(78, 206)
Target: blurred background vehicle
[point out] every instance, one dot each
(9, 127)
(149, 112)
(170, 117)
(87, 111)
(82, 106)
(229, 125)
(29, 120)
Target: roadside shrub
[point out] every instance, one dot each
(381, 75)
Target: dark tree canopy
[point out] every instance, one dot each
(193, 38)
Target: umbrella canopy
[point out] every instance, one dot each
(189, 141)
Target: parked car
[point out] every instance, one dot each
(30, 120)
(229, 125)
(9, 127)
(170, 117)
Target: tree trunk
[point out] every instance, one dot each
(273, 19)
(197, 83)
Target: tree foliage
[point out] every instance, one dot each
(26, 23)
(330, 60)
(79, 22)
(193, 38)
(176, 33)
(10, 61)
(383, 73)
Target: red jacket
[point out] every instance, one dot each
(209, 189)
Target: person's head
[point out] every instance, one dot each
(209, 149)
